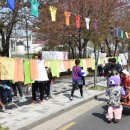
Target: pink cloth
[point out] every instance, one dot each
(115, 113)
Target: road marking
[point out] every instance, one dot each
(68, 126)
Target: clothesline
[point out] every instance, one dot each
(29, 70)
(67, 14)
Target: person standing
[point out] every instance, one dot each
(48, 83)
(77, 78)
(37, 86)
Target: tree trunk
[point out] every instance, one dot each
(6, 40)
(115, 48)
(95, 72)
(85, 47)
(72, 50)
(80, 46)
(108, 47)
(2, 40)
(96, 63)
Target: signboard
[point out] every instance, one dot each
(54, 55)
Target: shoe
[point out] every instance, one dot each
(40, 101)
(3, 109)
(109, 120)
(116, 120)
(71, 98)
(47, 98)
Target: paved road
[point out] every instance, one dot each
(95, 120)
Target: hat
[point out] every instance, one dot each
(125, 72)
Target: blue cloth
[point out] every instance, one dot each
(78, 82)
(11, 4)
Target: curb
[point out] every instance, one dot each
(38, 122)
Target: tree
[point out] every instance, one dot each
(9, 20)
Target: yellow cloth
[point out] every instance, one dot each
(93, 64)
(53, 11)
(127, 36)
(12, 68)
(72, 63)
(102, 61)
(84, 64)
(7, 68)
(47, 63)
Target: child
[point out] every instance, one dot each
(114, 91)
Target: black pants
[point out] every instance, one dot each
(37, 86)
(83, 78)
(18, 86)
(6, 95)
(47, 88)
(74, 87)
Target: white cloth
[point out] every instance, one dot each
(87, 20)
(42, 74)
(85, 73)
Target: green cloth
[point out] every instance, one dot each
(27, 74)
(34, 7)
(54, 65)
(81, 62)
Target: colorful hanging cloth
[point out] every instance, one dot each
(54, 65)
(19, 70)
(33, 69)
(27, 74)
(6, 68)
(67, 17)
(95, 24)
(78, 21)
(42, 74)
(122, 34)
(34, 7)
(11, 4)
(53, 11)
(117, 32)
(87, 20)
(127, 36)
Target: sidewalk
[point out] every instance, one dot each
(26, 113)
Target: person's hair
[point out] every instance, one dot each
(38, 56)
(109, 60)
(77, 61)
(113, 60)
